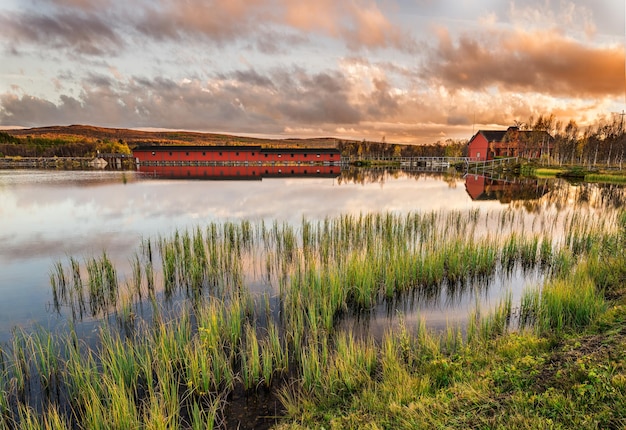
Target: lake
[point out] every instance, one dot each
(48, 216)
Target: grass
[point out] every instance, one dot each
(542, 172)
(180, 368)
(606, 178)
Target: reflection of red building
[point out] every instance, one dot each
(479, 187)
(490, 144)
(239, 172)
(208, 155)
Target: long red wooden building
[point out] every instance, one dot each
(210, 155)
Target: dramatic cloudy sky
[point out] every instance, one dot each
(409, 70)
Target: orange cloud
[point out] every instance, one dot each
(360, 23)
(538, 61)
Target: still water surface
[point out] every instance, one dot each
(47, 216)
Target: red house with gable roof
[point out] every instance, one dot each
(513, 142)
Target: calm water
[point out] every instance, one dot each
(47, 216)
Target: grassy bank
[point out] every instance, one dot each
(515, 380)
(565, 367)
(225, 341)
(579, 173)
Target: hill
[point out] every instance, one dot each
(74, 133)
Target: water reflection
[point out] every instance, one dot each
(47, 216)
(506, 190)
(239, 172)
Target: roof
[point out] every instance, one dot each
(198, 148)
(230, 148)
(300, 150)
(493, 135)
(499, 135)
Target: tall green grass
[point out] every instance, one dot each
(566, 303)
(212, 334)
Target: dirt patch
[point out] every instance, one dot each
(597, 348)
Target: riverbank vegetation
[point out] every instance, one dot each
(234, 311)
(575, 173)
(66, 146)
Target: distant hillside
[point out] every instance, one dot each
(85, 140)
(88, 133)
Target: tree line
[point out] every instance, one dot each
(14, 146)
(448, 148)
(600, 144)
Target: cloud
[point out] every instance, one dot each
(359, 101)
(537, 61)
(78, 4)
(359, 23)
(239, 101)
(82, 33)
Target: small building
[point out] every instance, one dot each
(209, 155)
(513, 142)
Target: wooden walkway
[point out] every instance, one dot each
(490, 165)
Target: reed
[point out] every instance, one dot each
(167, 401)
(125, 314)
(169, 341)
(4, 402)
(137, 276)
(118, 359)
(197, 366)
(168, 257)
(82, 374)
(53, 419)
(545, 252)
(21, 370)
(94, 414)
(569, 303)
(45, 351)
(234, 321)
(58, 281)
(180, 369)
(498, 321)
(103, 284)
(251, 368)
(206, 418)
(77, 283)
(28, 418)
(121, 411)
(311, 366)
(352, 365)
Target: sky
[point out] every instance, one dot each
(401, 71)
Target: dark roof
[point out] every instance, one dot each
(499, 135)
(199, 148)
(231, 148)
(300, 150)
(493, 135)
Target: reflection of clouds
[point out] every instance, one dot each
(47, 221)
(65, 217)
(57, 217)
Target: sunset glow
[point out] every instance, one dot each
(411, 71)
